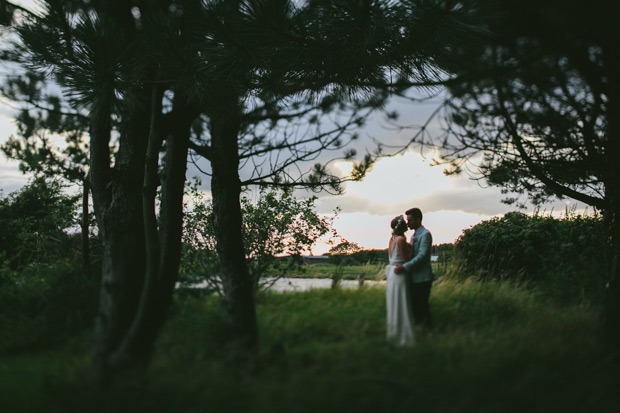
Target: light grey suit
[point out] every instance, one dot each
(420, 272)
(419, 266)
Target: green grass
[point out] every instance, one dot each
(348, 272)
(496, 347)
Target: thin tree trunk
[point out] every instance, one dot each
(85, 224)
(163, 246)
(226, 190)
(171, 218)
(611, 321)
(130, 342)
(100, 131)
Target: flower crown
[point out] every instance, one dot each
(399, 223)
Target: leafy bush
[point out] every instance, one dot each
(44, 302)
(278, 224)
(33, 224)
(535, 247)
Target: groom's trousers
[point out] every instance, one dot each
(420, 294)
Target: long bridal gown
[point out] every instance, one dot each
(399, 312)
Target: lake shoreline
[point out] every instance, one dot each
(294, 284)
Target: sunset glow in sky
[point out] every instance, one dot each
(449, 204)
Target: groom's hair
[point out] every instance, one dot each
(415, 212)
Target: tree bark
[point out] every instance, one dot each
(226, 190)
(117, 200)
(163, 239)
(141, 252)
(611, 321)
(85, 224)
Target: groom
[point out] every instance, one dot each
(419, 269)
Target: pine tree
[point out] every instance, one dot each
(542, 105)
(159, 77)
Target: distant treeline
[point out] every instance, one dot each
(376, 256)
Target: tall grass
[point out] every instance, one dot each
(495, 347)
(45, 303)
(372, 271)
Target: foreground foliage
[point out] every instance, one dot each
(496, 346)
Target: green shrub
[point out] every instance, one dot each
(34, 223)
(520, 246)
(42, 303)
(278, 224)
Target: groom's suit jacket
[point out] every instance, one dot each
(419, 266)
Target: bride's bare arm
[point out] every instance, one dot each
(406, 251)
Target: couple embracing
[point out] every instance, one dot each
(409, 279)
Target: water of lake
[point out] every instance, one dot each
(304, 284)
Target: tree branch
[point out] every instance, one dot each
(534, 168)
(204, 151)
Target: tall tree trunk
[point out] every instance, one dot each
(120, 223)
(611, 326)
(163, 244)
(140, 261)
(226, 190)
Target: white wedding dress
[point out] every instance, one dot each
(399, 312)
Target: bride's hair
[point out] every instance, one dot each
(399, 227)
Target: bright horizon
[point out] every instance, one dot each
(449, 204)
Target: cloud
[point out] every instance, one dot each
(482, 201)
(472, 202)
(10, 178)
(450, 203)
(399, 183)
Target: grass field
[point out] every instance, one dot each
(347, 272)
(496, 347)
(370, 271)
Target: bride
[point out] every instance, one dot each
(399, 312)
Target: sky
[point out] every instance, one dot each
(449, 204)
